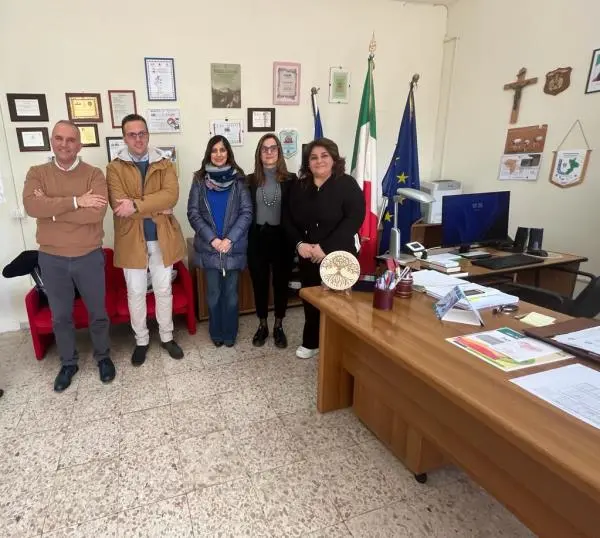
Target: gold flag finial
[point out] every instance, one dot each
(372, 45)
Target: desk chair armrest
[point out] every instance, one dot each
(575, 272)
(538, 296)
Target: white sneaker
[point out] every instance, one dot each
(305, 353)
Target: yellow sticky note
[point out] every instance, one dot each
(537, 320)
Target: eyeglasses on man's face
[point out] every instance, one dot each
(133, 136)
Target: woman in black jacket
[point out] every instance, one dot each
(269, 251)
(323, 213)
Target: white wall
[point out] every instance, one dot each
(496, 39)
(57, 47)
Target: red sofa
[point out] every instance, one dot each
(40, 318)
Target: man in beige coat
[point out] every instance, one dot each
(143, 190)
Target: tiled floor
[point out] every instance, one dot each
(222, 443)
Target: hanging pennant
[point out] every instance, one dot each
(569, 166)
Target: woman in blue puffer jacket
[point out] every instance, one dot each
(220, 212)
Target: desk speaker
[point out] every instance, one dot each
(536, 235)
(521, 239)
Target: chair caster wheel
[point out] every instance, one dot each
(421, 478)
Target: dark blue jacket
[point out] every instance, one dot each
(238, 217)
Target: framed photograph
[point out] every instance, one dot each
(122, 103)
(33, 139)
(226, 85)
(593, 81)
(163, 120)
(27, 106)
(286, 83)
(261, 119)
(84, 107)
(89, 135)
(339, 85)
(160, 79)
(233, 130)
(114, 144)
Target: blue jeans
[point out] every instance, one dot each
(222, 298)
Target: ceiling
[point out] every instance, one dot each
(432, 2)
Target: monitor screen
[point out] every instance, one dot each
(475, 218)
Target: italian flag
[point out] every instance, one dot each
(364, 170)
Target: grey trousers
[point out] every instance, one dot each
(60, 275)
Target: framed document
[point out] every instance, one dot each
(261, 119)
(114, 144)
(33, 139)
(163, 120)
(226, 85)
(160, 79)
(339, 85)
(27, 106)
(122, 103)
(286, 83)
(89, 135)
(233, 130)
(84, 107)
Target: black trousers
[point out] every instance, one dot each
(310, 276)
(269, 254)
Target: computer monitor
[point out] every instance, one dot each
(475, 218)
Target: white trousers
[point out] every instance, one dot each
(137, 285)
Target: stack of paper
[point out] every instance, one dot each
(438, 285)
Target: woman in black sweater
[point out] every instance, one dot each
(323, 213)
(269, 251)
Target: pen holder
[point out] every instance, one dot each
(383, 299)
(404, 288)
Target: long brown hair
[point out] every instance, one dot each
(200, 174)
(281, 171)
(339, 163)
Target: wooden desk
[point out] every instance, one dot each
(431, 402)
(544, 274)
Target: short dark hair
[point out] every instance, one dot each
(339, 163)
(201, 174)
(132, 117)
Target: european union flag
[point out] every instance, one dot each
(403, 171)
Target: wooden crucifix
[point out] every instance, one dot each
(518, 86)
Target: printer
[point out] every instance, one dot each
(432, 213)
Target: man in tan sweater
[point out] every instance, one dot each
(68, 198)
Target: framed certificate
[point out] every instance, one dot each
(160, 79)
(27, 106)
(261, 119)
(84, 107)
(233, 130)
(33, 139)
(122, 103)
(286, 83)
(114, 144)
(89, 135)
(163, 120)
(339, 85)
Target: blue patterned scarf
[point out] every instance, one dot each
(219, 178)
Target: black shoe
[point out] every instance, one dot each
(173, 349)
(107, 370)
(139, 355)
(229, 344)
(217, 343)
(63, 379)
(279, 337)
(260, 336)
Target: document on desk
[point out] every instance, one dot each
(575, 389)
(586, 339)
(508, 349)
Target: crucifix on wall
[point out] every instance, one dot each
(517, 86)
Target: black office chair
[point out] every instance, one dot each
(585, 305)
